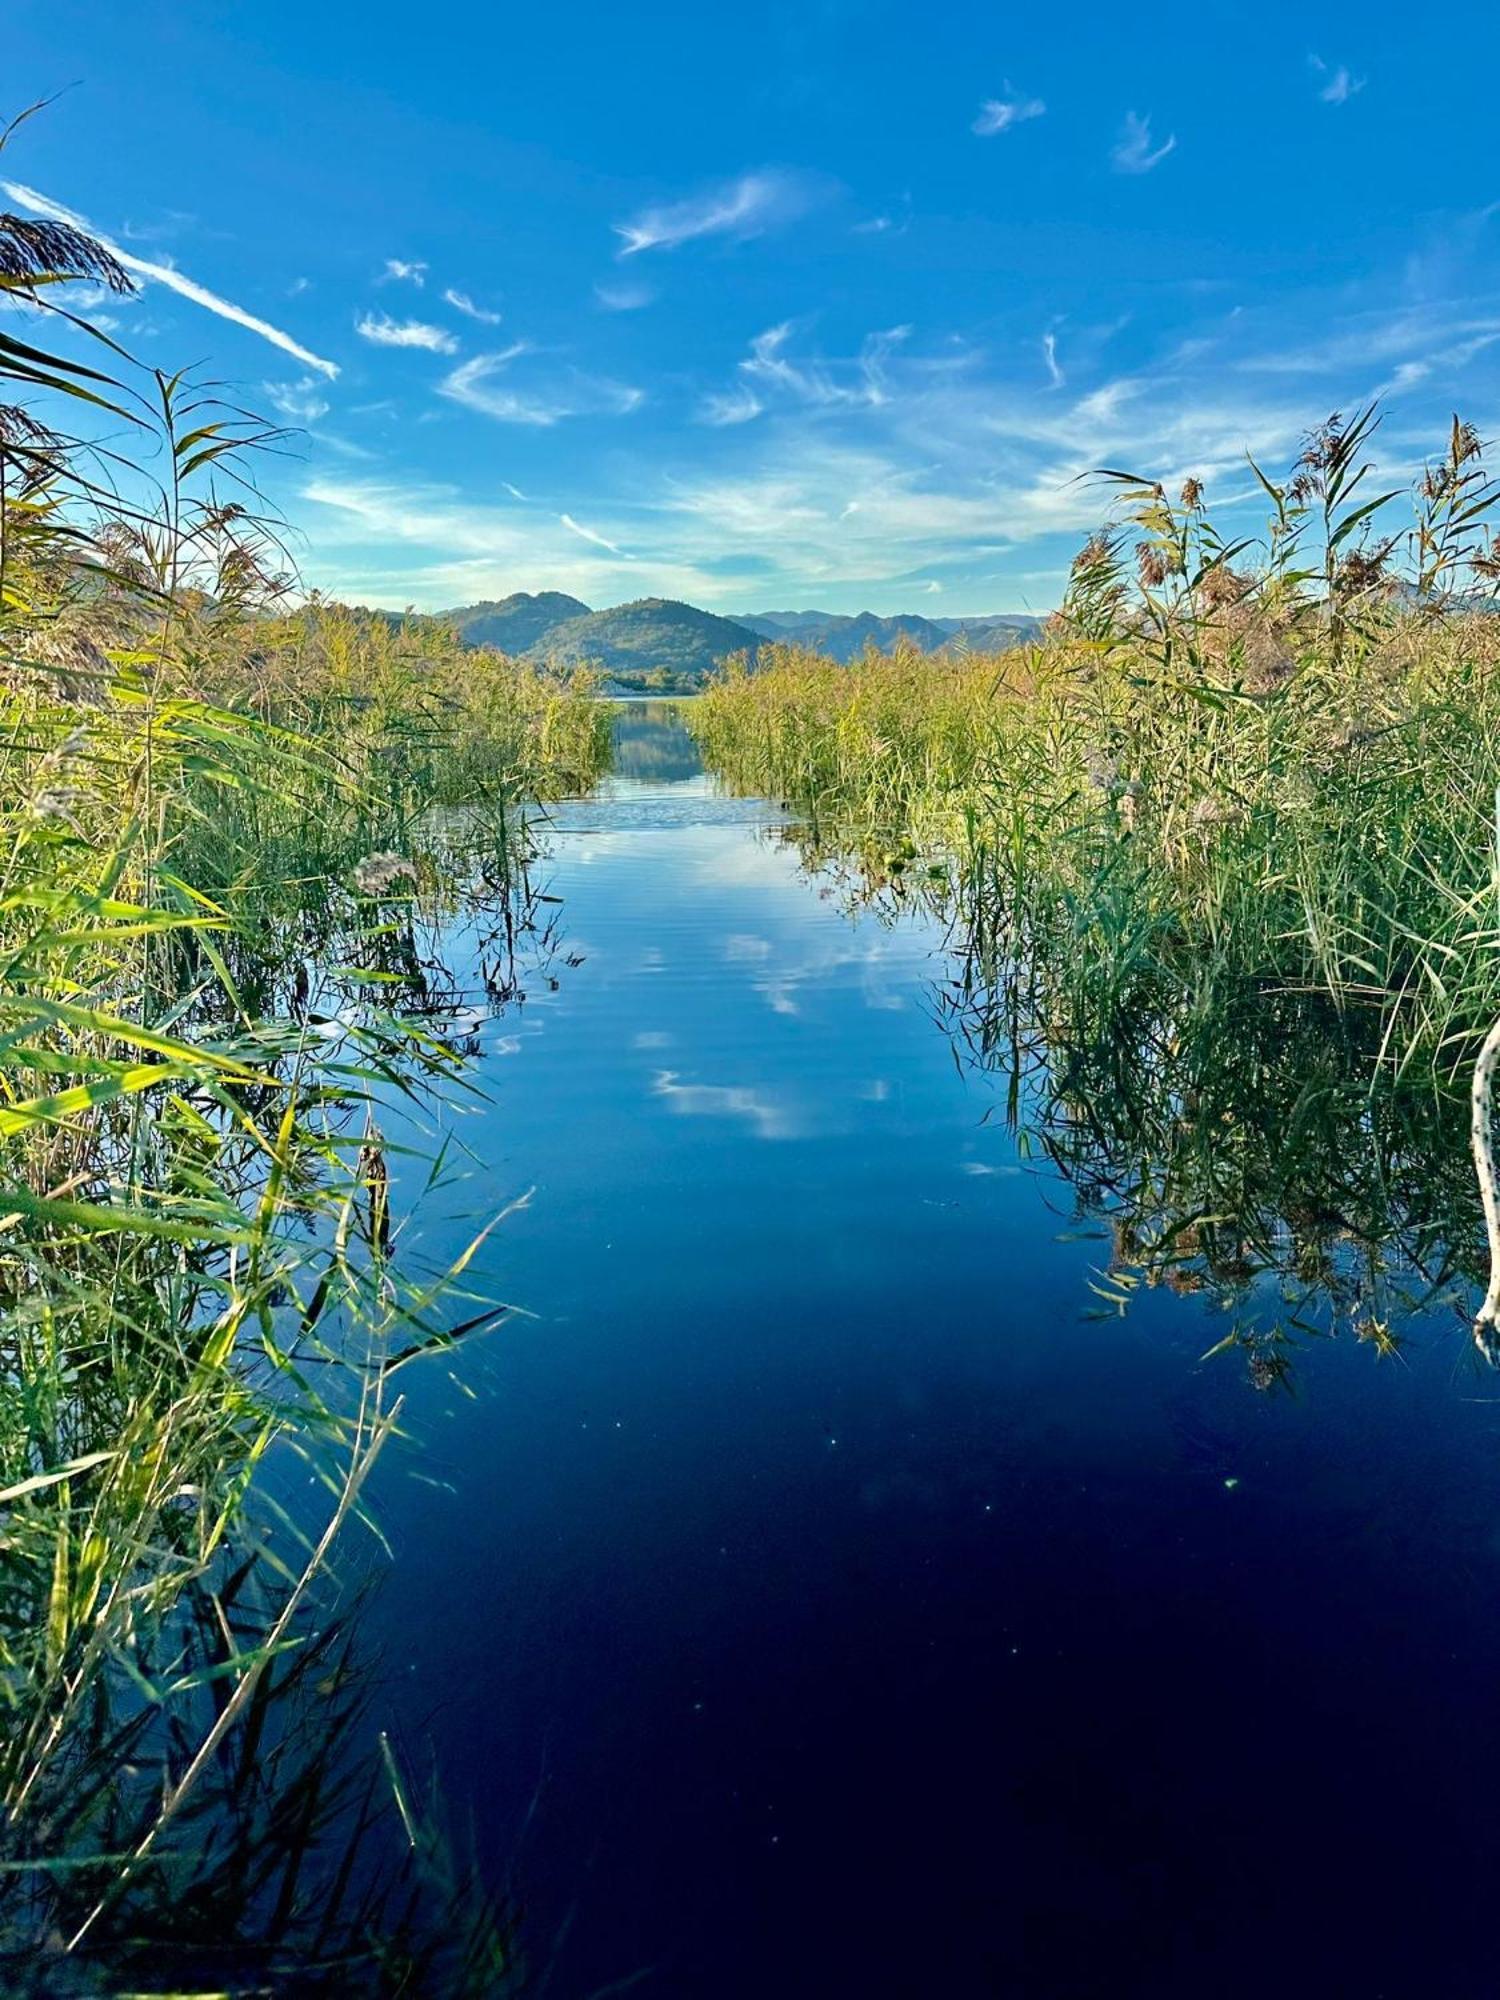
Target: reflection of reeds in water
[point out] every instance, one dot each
(1240, 1142)
(300, 1859)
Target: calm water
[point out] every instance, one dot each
(812, 1597)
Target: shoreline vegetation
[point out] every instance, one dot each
(1285, 771)
(1234, 809)
(1219, 861)
(229, 826)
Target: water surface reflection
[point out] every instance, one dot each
(827, 1590)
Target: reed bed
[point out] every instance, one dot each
(1219, 859)
(1264, 769)
(224, 820)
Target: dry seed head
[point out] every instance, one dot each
(378, 874)
(1151, 564)
(56, 802)
(34, 250)
(1095, 552)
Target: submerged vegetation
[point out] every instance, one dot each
(226, 822)
(1220, 856)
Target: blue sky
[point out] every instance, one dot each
(810, 304)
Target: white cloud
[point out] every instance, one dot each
(567, 393)
(399, 272)
(739, 406)
(1134, 152)
(384, 331)
(740, 208)
(461, 302)
(1341, 85)
(1000, 114)
(588, 535)
(867, 476)
(172, 278)
(300, 402)
(624, 298)
(1049, 355)
(862, 382)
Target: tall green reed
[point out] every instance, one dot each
(217, 834)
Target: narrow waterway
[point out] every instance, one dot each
(818, 1588)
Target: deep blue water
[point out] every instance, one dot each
(813, 1596)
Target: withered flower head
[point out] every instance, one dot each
(1151, 563)
(379, 873)
(33, 251)
(1466, 443)
(1094, 554)
(1192, 493)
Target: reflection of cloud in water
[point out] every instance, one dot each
(742, 950)
(652, 1038)
(883, 966)
(713, 1100)
(734, 862)
(779, 994)
(876, 1092)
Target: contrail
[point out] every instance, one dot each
(164, 274)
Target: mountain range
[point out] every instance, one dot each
(660, 644)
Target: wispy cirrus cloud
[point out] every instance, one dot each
(889, 222)
(173, 279)
(742, 208)
(1003, 114)
(1341, 84)
(383, 331)
(772, 372)
(723, 410)
(863, 476)
(624, 298)
(1135, 151)
(482, 385)
(300, 402)
(461, 302)
(589, 535)
(397, 271)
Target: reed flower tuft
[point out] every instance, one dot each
(378, 874)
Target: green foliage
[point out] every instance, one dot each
(1219, 859)
(224, 825)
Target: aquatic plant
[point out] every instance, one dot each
(217, 844)
(1238, 801)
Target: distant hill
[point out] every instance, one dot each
(652, 636)
(845, 638)
(516, 623)
(658, 643)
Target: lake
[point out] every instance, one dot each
(818, 1586)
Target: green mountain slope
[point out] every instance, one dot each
(677, 643)
(844, 638)
(656, 642)
(517, 623)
